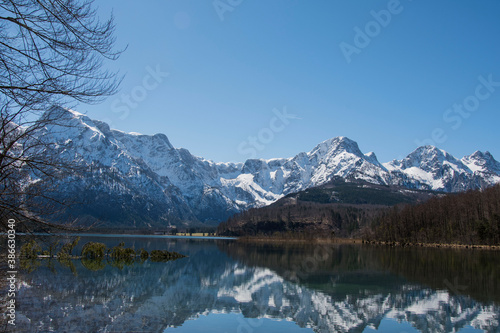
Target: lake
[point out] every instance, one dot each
(229, 286)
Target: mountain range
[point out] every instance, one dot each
(143, 181)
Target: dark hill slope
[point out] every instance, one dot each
(340, 207)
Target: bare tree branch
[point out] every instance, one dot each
(51, 53)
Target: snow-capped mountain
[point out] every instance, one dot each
(484, 166)
(144, 179)
(428, 167)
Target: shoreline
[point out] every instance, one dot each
(250, 239)
(93, 234)
(359, 241)
(435, 245)
(312, 240)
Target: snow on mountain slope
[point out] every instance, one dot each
(431, 168)
(335, 157)
(341, 157)
(114, 184)
(150, 168)
(484, 166)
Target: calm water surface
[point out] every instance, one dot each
(227, 286)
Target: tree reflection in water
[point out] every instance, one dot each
(328, 288)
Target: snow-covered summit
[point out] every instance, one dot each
(432, 168)
(430, 158)
(484, 162)
(484, 166)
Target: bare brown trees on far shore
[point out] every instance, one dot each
(472, 217)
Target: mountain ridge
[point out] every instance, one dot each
(187, 189)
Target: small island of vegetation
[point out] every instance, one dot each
(94, 255)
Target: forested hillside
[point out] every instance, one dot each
(356, 209)
(297, 219)
(340, 208)
(471, 217)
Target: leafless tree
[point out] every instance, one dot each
(52, 52)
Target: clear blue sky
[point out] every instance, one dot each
(227, 76)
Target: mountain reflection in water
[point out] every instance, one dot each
(326, 288)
